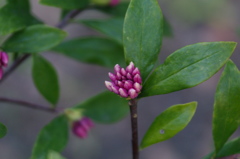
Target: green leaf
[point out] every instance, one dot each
(231, 148)
(3, 130)
(188, 67)
(15, 15)
(226, 115)
(142, 34)
(53, 136)
(106, 107)
(54, 155)
(112, 27)
(167, 29)
(118, 11)
(36, 38)
(169, 123)
(66, 4)
(93, 50)
(45, 79)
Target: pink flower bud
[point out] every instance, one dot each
(128, 85)
(123, 92)
(123, 72)
(137, 87)
(4, 58)
(129, 76)
(132, 93)
(1, 73)
(109, 85)
(135, 71)
(130, 67)
(117, 68)
(112, 76)
(137, 78)
(115, 89)
(119, 76)
(81, 127)
(114, 2)
(120, 84)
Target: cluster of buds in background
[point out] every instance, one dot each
(125, 82)
(82, 127)
(3, 62)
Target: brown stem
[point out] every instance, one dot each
(29, 105)
(236, 156)
(133, 110)
(19, 61)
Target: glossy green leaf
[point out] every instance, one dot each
(230, 148)
(169, 123)
(188, 67)
(226, 115)
(36, 38)
(15, 15)
(106, 107)
(118, 11)
(54, 155)
(53, 136)
(93, 50)
(66, 4)
(142, 34)
(111, 27)
(3, 130)
(45, 79)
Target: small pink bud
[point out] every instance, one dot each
(115, 89)
(123, 92)
(117, 68)
(124, 78)
(132, 93)
(81, 127)
(4, 58)
(135, 71)
(123, 72)
(114, 2)
(109, 85)
(129, 76)
(119, 76)
(137, 78)
(1, 72)
(128, 85)
(137, 87)
(130, 67)
(112, 76)
(120, 84)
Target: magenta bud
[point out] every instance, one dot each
(109, 85)
(4, 58)
(115, 89)
(1, 73)
(120, 84)
(129, 76)
(80, 132)
(123, 92)
(123, 72)
(123, 78)
(117, 68)
(81, 127)
(137, 87)
(128, 85)
(119, 76)
(130, 67)
(114, 2)
(132, 93)
(135, 71)
(137, 78)
(112, 76)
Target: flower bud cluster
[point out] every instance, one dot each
(125, 82)
(81, 127)
(3, 62)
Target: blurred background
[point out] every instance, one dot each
(192, 21)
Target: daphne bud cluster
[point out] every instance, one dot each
(3, 62)
(81, 127)
(114, 2)
(125, 82)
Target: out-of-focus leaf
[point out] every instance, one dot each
(169, 123)
(112, 27)
(93, 50)
(188, 67)
(118, 11)
(167, 29)
(230, 148)
(3, 130)
(142, 34)
(53, 136)
(106, 107)
(226, 115)
(36, 38)
(66, 4)
(54, 155)
(15, 15)
(45, 79)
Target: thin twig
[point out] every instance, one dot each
(29, 105)
(19, 61)
(134, 118)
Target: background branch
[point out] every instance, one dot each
(236, 156)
